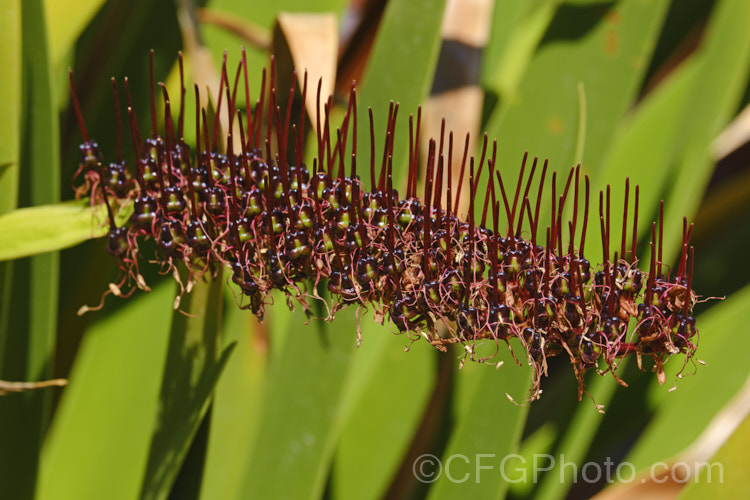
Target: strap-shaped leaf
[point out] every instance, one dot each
(46, 228)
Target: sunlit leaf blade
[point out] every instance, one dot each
(236, 404)
(577, 439)
(722, 78)
(669, 115)
(505, 16)
(33, 307)
(194, 362)
(487, 428)
(605, 46)
(110, 404)
(10, 89)
(388, 390)
(387, 80)
(645, 144)
(518, 28)
(47, 228)
(723, 346)
(730, 480)
(400, 68)
(65, 22)
(301, 414)
(10, 108)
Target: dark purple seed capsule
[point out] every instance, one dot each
(151, 174)
(535, 343)
(453, 285)
(393, 263)
(215, 204)
(144, 212)
(367, 271)
(468, 322)
(117, 179)
(353, 238)
(91, 158)
(171, 237)
(297, 246)
(174, 202)
(200, 183)
(197, 238)
(117, 242)
(588, 352)
(253, 203)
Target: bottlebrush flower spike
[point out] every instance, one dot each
(250, 204)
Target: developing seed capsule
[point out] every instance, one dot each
(151, 178)
(144, 212)
(535, 342)
(215, 201)
(468, 322)
(499, 320)
(175, 202)
(171, 237)
(404, 313)
(393, 263)
(304, 217)
(429, 298)
(91, 158)
(297, 246)
(197, 238)
(367, 270)
(633, 282)
(117, 242)
(117, 179)
(588, 352)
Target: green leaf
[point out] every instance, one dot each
(400, 68)
(487, 429)
(577, 438)
(730, 480)
(604, 46)
(65, 22)
(35, 230)
(300, 418)
(29, 342)
(194, 362)
(236, 403)
(540, 442)
(10, 107)
(505, 17)
(10, 139)
(516, 33)
(388, 392)
(716, 93)
(645, 144)
(684, 413)
(110, 404)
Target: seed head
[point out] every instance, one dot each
(250, 204)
